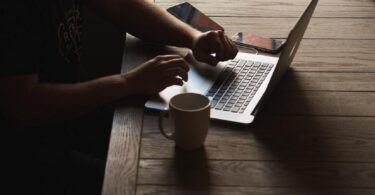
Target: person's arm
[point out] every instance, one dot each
(148, 21)
(26, 102)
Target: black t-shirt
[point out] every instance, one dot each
(43, 37)
(39, 37)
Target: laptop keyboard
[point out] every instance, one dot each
(237, 84)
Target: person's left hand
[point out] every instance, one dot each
(213, 42)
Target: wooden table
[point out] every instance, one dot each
(315, 136)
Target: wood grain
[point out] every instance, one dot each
(335, 56)
(196, 170)
(315, 136)
(327, 103)
(328, 81)
(218, 190)
(280, 8)
(123, 152)
(319, 28)
(276, 138)
(122, 160)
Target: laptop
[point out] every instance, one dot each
(237, 87)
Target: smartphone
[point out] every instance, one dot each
(264, 44)
(195, 18)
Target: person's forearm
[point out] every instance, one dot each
(148, 21)
(61, 102)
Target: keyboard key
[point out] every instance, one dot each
(222, 100)
(235, 109)
(249, 63)
(213, 103)
(219, 106)
(210, 94)
(241, 63)
(248, 90)
(239, 104)
(229, 105)
(237, 85)
(241, 111)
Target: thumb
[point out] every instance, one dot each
(206, 58)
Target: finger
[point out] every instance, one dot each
(174, 72)
(177, 62)
(216, 45)
(227, 47)
(206, 58)
(161, 58)
(233, 50)
(172, 81)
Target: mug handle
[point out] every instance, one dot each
(162, 115)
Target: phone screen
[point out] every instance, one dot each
(195, 18)
(258, 42)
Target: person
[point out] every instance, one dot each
(44, 102)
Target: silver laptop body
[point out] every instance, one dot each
(237, 87)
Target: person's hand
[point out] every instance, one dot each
(213, 42)
(156, 74)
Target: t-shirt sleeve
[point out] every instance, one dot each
(20, 38)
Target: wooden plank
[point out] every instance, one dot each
(276, 138)
(197, 170)
(335, 55)
(328, 81)
(187, 190)
(321, 28)
(122, 160)
(123, 153)
(327, 103)
(280, 8)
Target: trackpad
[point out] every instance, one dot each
(201, 77)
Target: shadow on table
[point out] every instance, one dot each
(192, 170)
(291, 130)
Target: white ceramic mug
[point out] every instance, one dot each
(190, 119)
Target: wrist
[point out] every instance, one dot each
(125, 84)
(194, 35)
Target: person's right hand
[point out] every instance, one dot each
(156, 74)
(215, 42)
